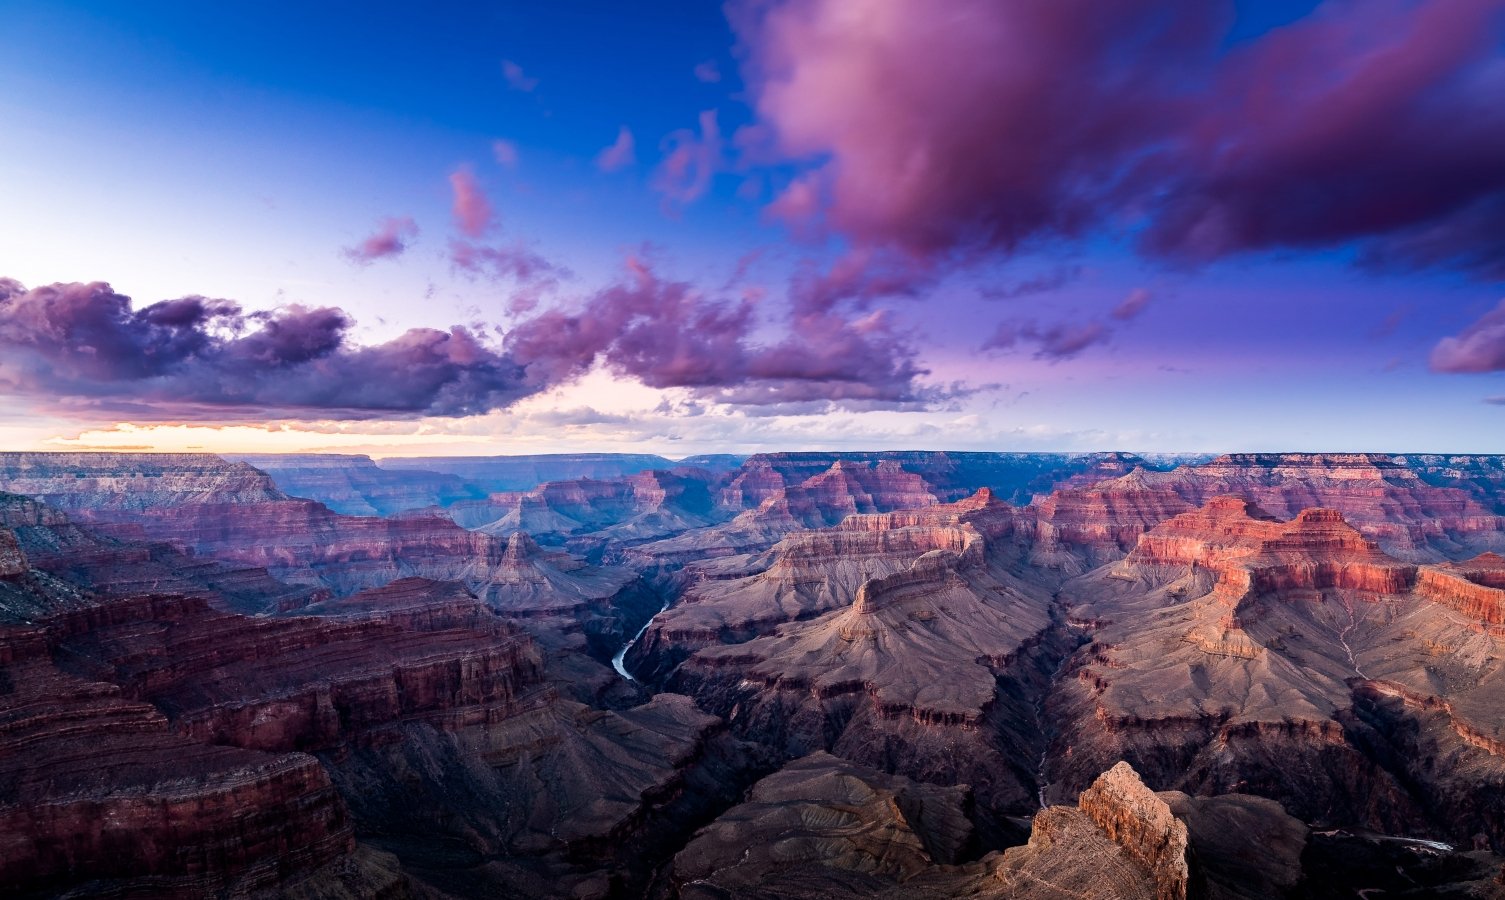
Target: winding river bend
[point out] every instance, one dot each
(618, 662)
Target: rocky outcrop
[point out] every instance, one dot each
(1119, 841)
(1142, 826)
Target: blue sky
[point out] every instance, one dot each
(173, 149)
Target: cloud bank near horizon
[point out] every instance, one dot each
(83, 347)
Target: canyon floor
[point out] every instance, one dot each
(886, 674)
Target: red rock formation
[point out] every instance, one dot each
(98, 787)
(1228, 641)
(1142, 825)
(298, 683)
(1379, 495)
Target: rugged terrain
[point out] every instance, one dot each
(865, 674)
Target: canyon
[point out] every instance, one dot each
(892, 674)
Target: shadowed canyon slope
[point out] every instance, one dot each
(794, 675)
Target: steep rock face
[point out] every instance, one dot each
(1101, 522)
(97, 787)
(298, 683)
(806, 574)
(1226, 653)
(1119, 841)
(1141, 825)
(356, 486)
(1475, 588)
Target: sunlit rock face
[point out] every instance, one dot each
(888, 674)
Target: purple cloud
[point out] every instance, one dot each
(1362, 121)
(620, 154)
(1058, 341)
(690, 161)
(668, 334)
(1039, 284)
(1000, 125)
(708, 72)
(516, 78)
(390, 239)
(1131, 306)
(1479, 348)
(859, 279)
(86, 346)
(505, 152)
(516, 261)
(472, 211)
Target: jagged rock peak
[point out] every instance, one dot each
(1143, 825)
(980, 500)
(520, 546)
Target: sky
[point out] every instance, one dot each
(682, 227)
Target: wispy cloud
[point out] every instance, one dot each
(472, 210)
(389, 241)
(621, 154)
(516, 78)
